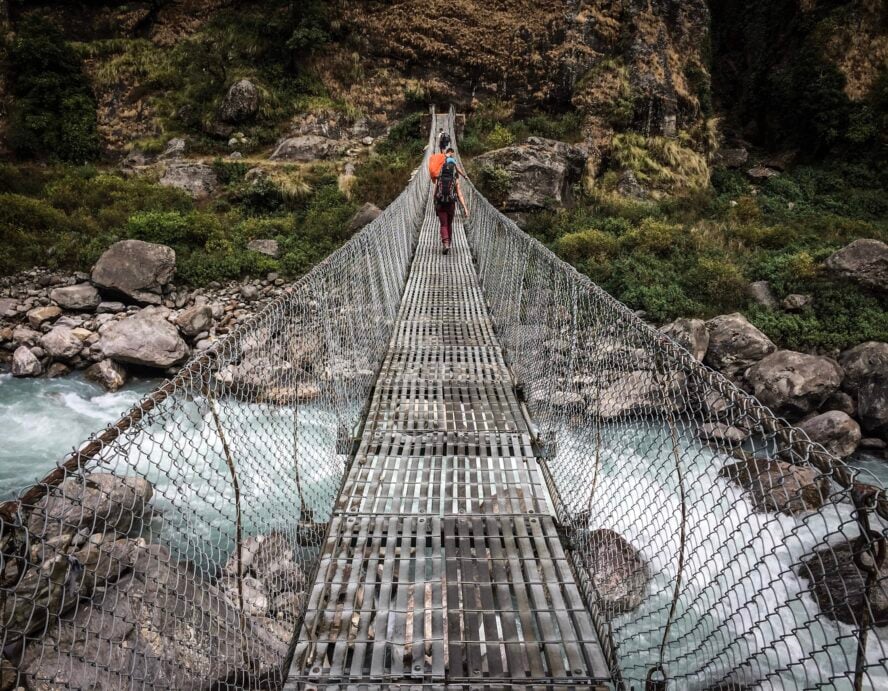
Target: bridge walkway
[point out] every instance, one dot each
(443, 567)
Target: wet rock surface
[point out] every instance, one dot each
(794, 384)
(778, 486)
(620, 573)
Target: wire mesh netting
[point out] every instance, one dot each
(718, 547)
(174, 549)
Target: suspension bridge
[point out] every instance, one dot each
(428, 471)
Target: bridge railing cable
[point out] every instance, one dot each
(174, 549)
(718, 546)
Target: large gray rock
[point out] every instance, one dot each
(794, 384)
(862, 363)
(197, 179)
(835, 430)
(175, 148)
(778, 486)
(195, 320)
(690, 334)
(145, 338)
(136, 269)
(61, 343)
(839, 586)
(735, 344)
(241, 103)
(620, 573)
(8, 307)
(364, 216)
(640, 393)
(25, 363)
(541, 171)
(109, 374)
(864, 261)
(306, 147)
(269, 248)
(731, 158)
(82, 297)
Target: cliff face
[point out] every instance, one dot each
(640, 63)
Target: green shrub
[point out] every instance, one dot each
(494, 182)
(587, 244)
(500, 137)
(53, 111)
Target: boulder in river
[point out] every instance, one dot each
(144, 338)
(109, 374)
(136, 269)
(864, 261)
(778, 486)
(835, 430)
(872, 406)
(641, 392)
(735, 344)
(82, 297)
(794, 384)
(620, 573)
(25, 363)
(839, 586)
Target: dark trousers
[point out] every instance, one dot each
(445, 216)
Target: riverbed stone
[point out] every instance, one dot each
(109, 374)
(78, 298)
(44, 313)
(61, 342)
(195, 320)
(835, 430)
(197, 179)
(794, 384)
(620, 573)
(25, 363)
(864, 261)
(241, 103)
(778, 486)
(145, 338)
(863, 362)
(136, 270)
(721, 433)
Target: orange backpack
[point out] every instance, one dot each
(436, 163)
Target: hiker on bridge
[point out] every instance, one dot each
(447, 193)
(443, 140)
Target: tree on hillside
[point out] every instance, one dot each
(53, 112)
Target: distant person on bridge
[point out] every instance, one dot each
(447, 193)
(443, 141)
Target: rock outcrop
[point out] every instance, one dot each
(864, 261)
(25, 363)
(270, 248)
(135, 269)
(794, 384)
(146, 338)
(197, 179)
(779, 486)
(735, 344)
(303, 148)
(541, 172)
(61, 343)
(241, 103)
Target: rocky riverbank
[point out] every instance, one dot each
(128, 313)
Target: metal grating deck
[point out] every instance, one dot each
(443, 568)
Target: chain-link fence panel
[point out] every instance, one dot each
(174, 549)
(718, 547)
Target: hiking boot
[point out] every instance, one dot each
(446, 249)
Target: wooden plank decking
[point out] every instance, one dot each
(443, 568)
